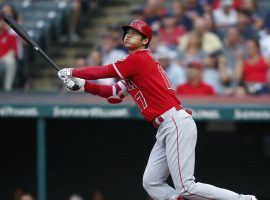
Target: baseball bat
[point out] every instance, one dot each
(22, 33)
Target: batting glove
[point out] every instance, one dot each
(74, 84)
(65, 73)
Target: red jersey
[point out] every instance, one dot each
(256, 72)
(8, 42)
(171, 38)
(237, 4)
(147, 83)
(200, 89)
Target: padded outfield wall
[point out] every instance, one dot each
(56, 145)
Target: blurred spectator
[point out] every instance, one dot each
(94, 58)
(265, 43)
(27, 196)
(237, 4)
(109, 53)
(225, 16)
(214, 4)
(244, 25)
(178, 12)
(211, 72)
(80, 62)
(193, 9)
(137, 12)
(257, 15)
(149, 15)
(195, 84)
(233, 45)
(206, 5)
(175, 72)
(8, 53)
(75, 197)
(209, 23)
(192, 52)
(77, 7)
(22, 72)
(117, 36)
(109, 50)
(154, 44)
(76, 12)
(170, 32)
(210, 41)
(153, 12)
(252, 70)
(159, 6)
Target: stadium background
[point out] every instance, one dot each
(56, 144)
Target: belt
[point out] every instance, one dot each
(158, 121)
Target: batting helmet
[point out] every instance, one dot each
(140, 26)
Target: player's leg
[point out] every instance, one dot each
(156, 174)
(180, 152)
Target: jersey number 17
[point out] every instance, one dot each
(165, 78)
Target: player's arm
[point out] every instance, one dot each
(123, 68)
(90, 73)
(113, 93)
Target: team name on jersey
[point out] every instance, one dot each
(162, 72)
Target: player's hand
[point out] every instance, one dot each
(65, 73)
(74, 84)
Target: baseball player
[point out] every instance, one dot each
(144, 79)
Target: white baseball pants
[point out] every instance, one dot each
(174, 153)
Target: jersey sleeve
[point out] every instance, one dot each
(113, 93)
(125, 67)
(95, 72)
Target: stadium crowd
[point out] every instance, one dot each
(207, 47)
(13, 68)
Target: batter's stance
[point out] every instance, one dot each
(144, 79)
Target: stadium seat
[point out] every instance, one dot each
(44, 20)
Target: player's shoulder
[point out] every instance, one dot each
(144, 55)
(136, 57)
(125, 60)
